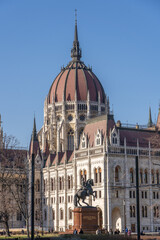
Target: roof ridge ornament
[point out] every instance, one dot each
(76, 51)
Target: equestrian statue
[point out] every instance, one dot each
(85, 191)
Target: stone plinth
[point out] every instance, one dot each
(86, 218)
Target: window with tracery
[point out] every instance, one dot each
(145, 176)
(152, 176)
(71, 140)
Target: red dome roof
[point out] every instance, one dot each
(76, 77)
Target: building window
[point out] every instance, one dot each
(99, 194)
(131, 176)
(157, 177)
(145, 211)
(152, 176)
(19, 216)
(114, 138)
(53, 214)
(98, 138)
(133, 211)
(142, 194)
(37, 185)
(52, 184)
(130, 194)
(154, 195)
(85, 175)
(142, 211)
(60, 183)
(69, 182)
(116, 194)
(141, 176)
(134, 194)
(70, 213)
(117, 173)
(100, 175)
(71, 140)
(146, 176)
(61, 214)
(146, 195)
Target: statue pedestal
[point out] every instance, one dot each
(86, 218)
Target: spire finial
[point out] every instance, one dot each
(34, 132)
(75, 16)
(76, 51)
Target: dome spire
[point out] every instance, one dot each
(75, 51)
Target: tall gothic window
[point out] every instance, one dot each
(100, 175)
(157, 177)
(70, 213)
(117, 173)
(131, 176)
(52, 187)
(145, 176)
(60, 183)
(141, 176)
(96, 175)
(61, 214)
(37, 185)
(71, 140)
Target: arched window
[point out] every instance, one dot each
(52, 184)
(130, 211)
(146, 176)
(100, 175)
(98, 138)
(70, 213)
(71, 140)
(134, 211)
(152, 176)
(131, 176)
(154, 211)
(69, 182)
(142, 211)
(141, 176)
(145, 211)
(37, 185)
(157, 177)
(96, 175)
(60, 183)
(114, 138)
(61, 214)
(53, 214)
(81, 176)
(117, 173)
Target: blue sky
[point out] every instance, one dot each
(120, 39)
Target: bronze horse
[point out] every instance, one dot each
(84, 192)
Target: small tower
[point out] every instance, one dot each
(150, 123)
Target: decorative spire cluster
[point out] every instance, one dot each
(34, 132)
(76, 51)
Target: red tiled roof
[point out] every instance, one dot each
(76, 76)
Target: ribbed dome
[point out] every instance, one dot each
(76, 78)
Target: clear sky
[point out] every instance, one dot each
(120, 39)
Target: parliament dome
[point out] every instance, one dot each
(76, 81)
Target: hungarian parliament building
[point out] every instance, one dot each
(81, 139)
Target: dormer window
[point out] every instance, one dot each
(98, 138)
(114, 137)
(83, 141)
